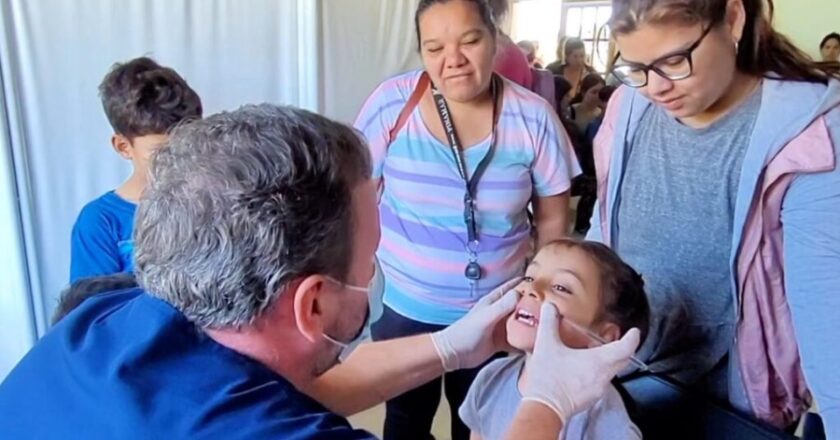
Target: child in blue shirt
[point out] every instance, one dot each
(142, 101)
(589, 285)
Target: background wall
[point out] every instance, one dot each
(364, 42)
(808, 21)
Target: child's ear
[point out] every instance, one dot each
(122, 146)
(610, 332)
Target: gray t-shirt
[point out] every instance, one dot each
(675, 223)
(494, 397)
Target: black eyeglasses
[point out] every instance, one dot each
(675, 66)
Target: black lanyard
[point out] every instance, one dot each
(473, 270)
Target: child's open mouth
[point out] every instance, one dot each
(526, 318)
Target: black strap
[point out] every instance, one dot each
(471, 183)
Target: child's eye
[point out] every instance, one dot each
(562, 289)
(528, 279)
(471, 42)
(434, 50)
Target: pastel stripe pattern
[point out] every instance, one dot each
(422, 249)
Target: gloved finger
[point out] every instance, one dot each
(504, 306)
(497, 293)
(548, 330)
(616, 355)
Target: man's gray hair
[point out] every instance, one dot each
(240, 204)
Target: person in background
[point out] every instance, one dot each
(511, 150)
(718, 179)
(585, 185)
(830, 48)
(603, 99)
(530, 49)
(143, 101)
(563, 100)
(573, 67)
(510, 61)
(587, 106)
(85, 288)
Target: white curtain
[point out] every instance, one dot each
(55, 154)
(55, 53)
(364, 42)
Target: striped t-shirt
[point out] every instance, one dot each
(422, 250)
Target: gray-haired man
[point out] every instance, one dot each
(254, 246)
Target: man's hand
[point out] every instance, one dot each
(474, 338)
(568, 380)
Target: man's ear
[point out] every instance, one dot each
(122, 146)
(308, 311)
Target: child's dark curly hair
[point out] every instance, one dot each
(623, 297)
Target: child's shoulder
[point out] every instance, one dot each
(108, 207)
(608, 418)
(501, 369)
(499, 376)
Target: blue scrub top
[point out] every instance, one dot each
(129, 366)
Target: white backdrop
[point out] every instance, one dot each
(53, 54)
(364, 42)
(55, 155)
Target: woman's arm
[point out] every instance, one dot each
(551, 215)
(810, 216)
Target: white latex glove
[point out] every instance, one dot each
(571, 380)
(470, 341)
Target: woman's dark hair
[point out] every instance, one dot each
(562, 87)
(141, 97)
(589, 81)
(829, 37)
(483, 7)
(762, 50)
(606, 93)
(623, 298)
(571, 46)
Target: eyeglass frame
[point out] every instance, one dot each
(687, 54)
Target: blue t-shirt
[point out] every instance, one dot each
(125, 365)
(102, 243)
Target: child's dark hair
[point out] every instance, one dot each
(623, 298)
(87, 287)
(589, 81)
(141, 97)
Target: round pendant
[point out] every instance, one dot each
(473, 271)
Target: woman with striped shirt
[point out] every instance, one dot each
(460, 153)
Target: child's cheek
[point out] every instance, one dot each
(573, 338)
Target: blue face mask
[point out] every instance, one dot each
(374, 293)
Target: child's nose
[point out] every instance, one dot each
(534, 294)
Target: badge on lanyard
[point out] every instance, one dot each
(473, 270)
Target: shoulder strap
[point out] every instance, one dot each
(410, 105)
